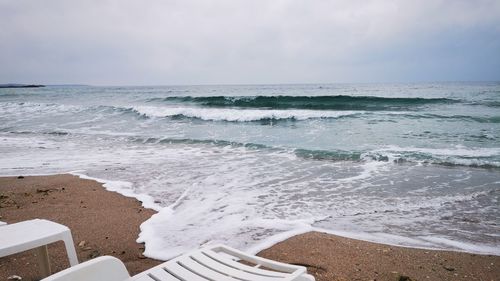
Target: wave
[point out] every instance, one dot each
(32, 108)
(460, 156)
(249, 115)
(11, 130)
(488, 158)
(215, 142)
(339, 102)
(14, 95)
(489, 103)
(28, 110)
(479, 119)
(469, 157)
(238, 115)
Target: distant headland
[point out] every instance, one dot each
(20, 86)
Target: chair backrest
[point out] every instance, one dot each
(102, 268)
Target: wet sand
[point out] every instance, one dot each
(107, 223)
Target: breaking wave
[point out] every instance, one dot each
(238, 115)
(339, 102)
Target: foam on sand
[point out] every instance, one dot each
(123, 187)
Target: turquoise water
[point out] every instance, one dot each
(410, 164)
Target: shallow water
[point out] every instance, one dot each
(408, 164)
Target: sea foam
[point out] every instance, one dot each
(245, 115)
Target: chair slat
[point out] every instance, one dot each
(205, 271)
(231, 271)
(244, 267)
(181, 273)
(141, 277)
(158, 273)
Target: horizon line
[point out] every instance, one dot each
(249, 84)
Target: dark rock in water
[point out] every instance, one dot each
(20, 177)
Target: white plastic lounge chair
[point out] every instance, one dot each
(214, 263)
(37, 233)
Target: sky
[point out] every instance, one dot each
(175, 42)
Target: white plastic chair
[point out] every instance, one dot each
(36, 234)
(215, 263)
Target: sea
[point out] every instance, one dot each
(415, 164)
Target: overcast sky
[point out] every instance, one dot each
(161, 42)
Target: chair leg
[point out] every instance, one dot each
(70, 248)
(43, 260)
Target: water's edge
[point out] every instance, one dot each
(147, 235)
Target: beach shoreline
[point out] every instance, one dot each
(106, 223)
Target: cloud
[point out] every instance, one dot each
(235, 41)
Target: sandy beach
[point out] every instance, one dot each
(107, 223)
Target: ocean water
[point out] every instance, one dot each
(404, 164)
